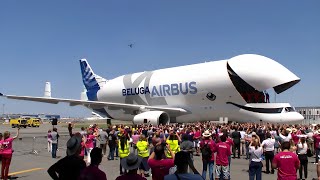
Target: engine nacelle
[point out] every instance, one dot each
(152, 117)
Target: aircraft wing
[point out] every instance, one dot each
(96, 104)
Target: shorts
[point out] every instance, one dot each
(196, 143)
(222, 170)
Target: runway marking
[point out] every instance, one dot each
(24, 171)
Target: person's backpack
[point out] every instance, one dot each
(206, 152)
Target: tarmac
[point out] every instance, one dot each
(31, 158)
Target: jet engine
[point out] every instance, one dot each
(152, 117)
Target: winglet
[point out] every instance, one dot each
(1, 94)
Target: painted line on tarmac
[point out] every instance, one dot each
(24, 171)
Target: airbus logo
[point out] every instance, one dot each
(163, 90)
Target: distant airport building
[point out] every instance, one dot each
(310, 114)
(42, 116)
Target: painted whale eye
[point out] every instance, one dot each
(211, 96)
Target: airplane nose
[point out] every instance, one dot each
(295, 116)
(299, 117)
(292, 117)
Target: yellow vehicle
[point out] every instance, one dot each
(19, 122)
(34, 122)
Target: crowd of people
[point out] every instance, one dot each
(167, 151)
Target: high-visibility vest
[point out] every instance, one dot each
(142, 147)
(174, 146)
(126, 151)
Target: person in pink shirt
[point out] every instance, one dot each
(316, 140)
(294, 136)
(6, 152)
(1, 136)
(287, 163)
(135, 138)
(196, 141)
(89, 145)
(158, 163)
(223, 152)
(49, 137)
(83, 148)
(230, 142)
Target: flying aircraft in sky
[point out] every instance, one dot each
(232, 88)
(131, 45)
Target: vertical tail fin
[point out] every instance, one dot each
(47, 90)
(91, 81)
(88, 76)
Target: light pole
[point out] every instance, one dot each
(3, 109)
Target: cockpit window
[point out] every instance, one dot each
(289, 109)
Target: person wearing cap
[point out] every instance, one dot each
(131, 163)
(92, 171)
(70, 166)
(183, 160)
(143, 152)
(207, 148)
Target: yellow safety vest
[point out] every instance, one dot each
(142, 147)
(124, 153)
(174, 146)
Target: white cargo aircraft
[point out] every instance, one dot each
(232, 88)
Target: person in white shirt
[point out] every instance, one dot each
(287, 136)
(255, 167)
(302, 155)
(310, 142)
(268, 146)
(242, 141)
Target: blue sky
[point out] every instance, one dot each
(43, 40)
